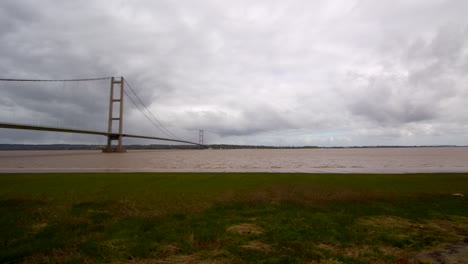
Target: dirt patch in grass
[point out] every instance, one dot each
(257, 245)
(388, 222)
(126, 208)
(449, 254)
(456, 230)
(403, 233)
(353, 252)
(115, 244)
(210, 257)
(246, 228)
(327, 261)
(357, 252)
(390, 251)
(36, 228)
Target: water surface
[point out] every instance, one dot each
(358, 160)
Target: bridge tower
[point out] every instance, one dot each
(200, 137)
(117, 97)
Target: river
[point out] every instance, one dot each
(347, 160)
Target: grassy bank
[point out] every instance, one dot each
(228, 218)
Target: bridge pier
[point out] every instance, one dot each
(110, 148)
(119, 100)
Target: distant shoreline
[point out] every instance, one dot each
(9, 147)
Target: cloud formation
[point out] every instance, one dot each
(247, 72)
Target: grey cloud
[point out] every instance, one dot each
(416, 88)
(247, 122)
(60, 104)
(386, 114)
(14, 15)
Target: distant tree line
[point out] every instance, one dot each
(149, 147)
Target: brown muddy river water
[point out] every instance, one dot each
(364, 160)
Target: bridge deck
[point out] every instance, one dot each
(80, 131)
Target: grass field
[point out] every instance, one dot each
(228, 217)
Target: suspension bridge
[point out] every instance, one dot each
(115, 123)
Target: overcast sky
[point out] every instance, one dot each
(261, 72)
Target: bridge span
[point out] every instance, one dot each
(90, 132)
(116, 101)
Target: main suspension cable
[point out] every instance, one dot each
(55, 80)
(147, 117)
(161, 126)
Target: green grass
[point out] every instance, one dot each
(227, 217)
